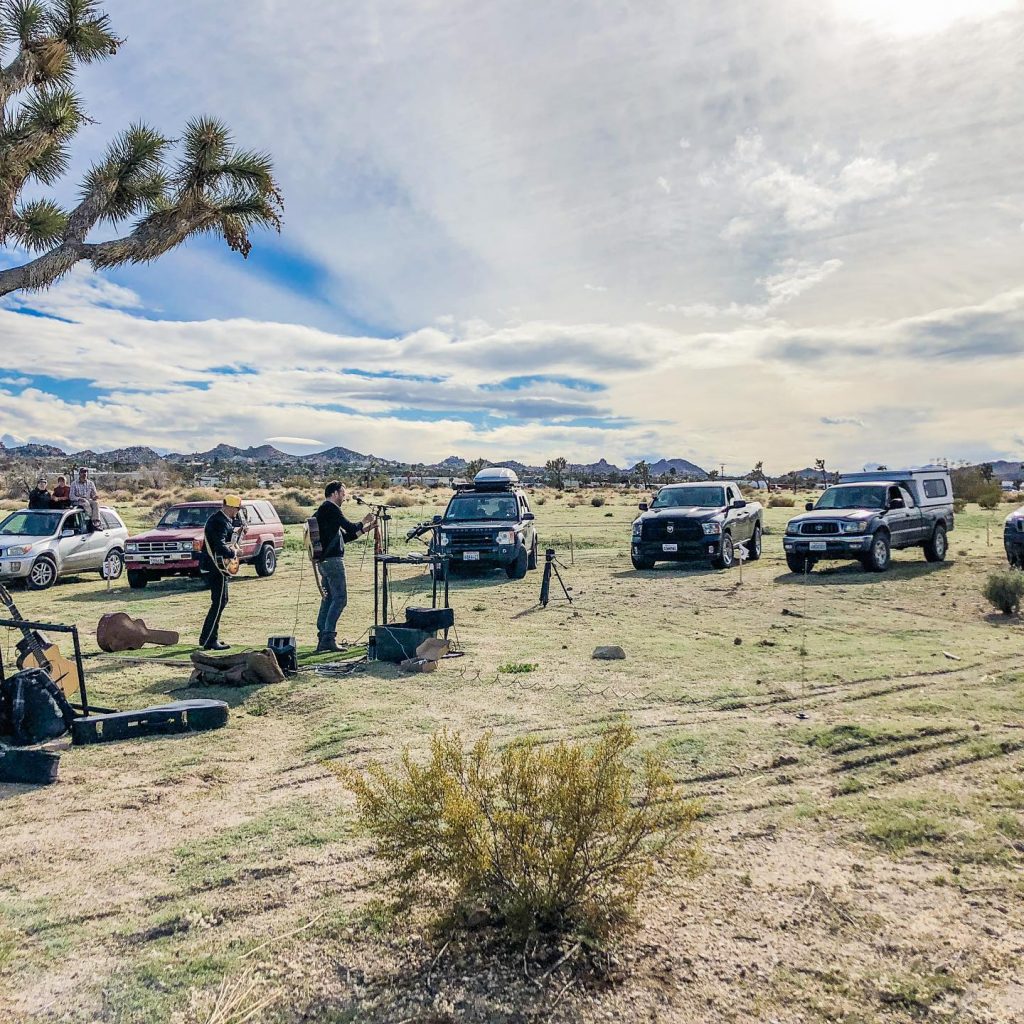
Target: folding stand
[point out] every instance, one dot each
(53, 627)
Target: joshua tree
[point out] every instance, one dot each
(474, 467)
(209, 186)
(642, 471)
(819, 465)
(556, 468)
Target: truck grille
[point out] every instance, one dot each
(818, 529)
(158, 547)
(671, 529)
(471, 538)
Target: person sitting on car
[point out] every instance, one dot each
(39, 497)
(84, 495)
(61, 494)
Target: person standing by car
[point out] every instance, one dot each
(217, 551)
(83, 494)
(335, 530)
(39, 497)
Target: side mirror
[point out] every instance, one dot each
(739, 503)
(528, 517)
(644, 506)
(67, 533)
(437, 520)
(809, 507)
(897, 503)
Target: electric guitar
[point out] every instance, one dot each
(35, 651)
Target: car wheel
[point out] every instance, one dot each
(516, 569)
(880, 556)
(727, 554)
(42, 575)
(266, 561)
(799, 564)
(935, 549)
(137, 580)
(113, 566)
(643, 564)
(532, 563)
(754, 545)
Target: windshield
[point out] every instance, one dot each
(186, 516)
(483, 506)
(868, 496)
(686, 497)
(30, 524)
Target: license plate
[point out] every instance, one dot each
(669, 547)
(818, 545)
(471, 556)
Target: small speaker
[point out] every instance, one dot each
(286, 652)
(398, 643)
(430, 618)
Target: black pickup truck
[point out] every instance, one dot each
(1013, 538)
(697, 521)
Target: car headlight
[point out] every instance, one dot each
(714, 527)
(21, 549)
(185, 546)
(860, 527)
(1013, 517)
(506, 537)
(792, 528)
(131, 547)
(637, 527)
(444, 538)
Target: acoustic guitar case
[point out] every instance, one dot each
(163, 720)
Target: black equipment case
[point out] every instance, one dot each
(398, 643)
(163, 720)
(28, 765)
(430, 619)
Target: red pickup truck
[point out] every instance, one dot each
(173, 547)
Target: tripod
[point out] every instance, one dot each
(551, 565)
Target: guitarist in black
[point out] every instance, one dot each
(217, 551)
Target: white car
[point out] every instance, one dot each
(41, 545)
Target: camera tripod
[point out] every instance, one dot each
(551, 566)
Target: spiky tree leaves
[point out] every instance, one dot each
(210, 187)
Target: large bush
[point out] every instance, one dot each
(1005, 590)
(781, 501)
(597, 502)
(548, 838)
(290, 512)
(400, 499)
(990, 496)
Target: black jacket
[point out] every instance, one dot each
(335, 529)
(217, 538)
(39, 499)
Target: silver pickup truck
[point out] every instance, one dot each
(39, 546)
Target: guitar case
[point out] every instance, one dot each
(163, 720)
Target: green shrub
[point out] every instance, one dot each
(959, 505)
(299, 497)
(558, 839)
(540, 501)
(781, 501)
(518, 667)
(290, 512)
(200, 494)
(158, 510)
(597, 502)
(398, 499)
(990, 496)
(1005, 590)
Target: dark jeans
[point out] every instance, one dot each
(218, 599)
(332, 572)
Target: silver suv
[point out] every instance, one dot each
(39, 546)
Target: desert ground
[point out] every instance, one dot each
(856, 742)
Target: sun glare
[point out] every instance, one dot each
(920, 17)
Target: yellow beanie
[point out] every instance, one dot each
(232, 501)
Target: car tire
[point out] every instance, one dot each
(799, 564)
(266, 560)
(137, 580)
(516, 569)
(726, 557)
(879, 557)
(754, 545)
(113, 565)
(642, 564)
(935, 549)
(42, 575)
(532, 563)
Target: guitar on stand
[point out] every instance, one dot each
(36, 651)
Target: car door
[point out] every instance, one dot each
(529, 531)
(251, 535)
(739, 517)
(73, 548)
(901, 521)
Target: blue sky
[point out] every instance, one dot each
(721, 231)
